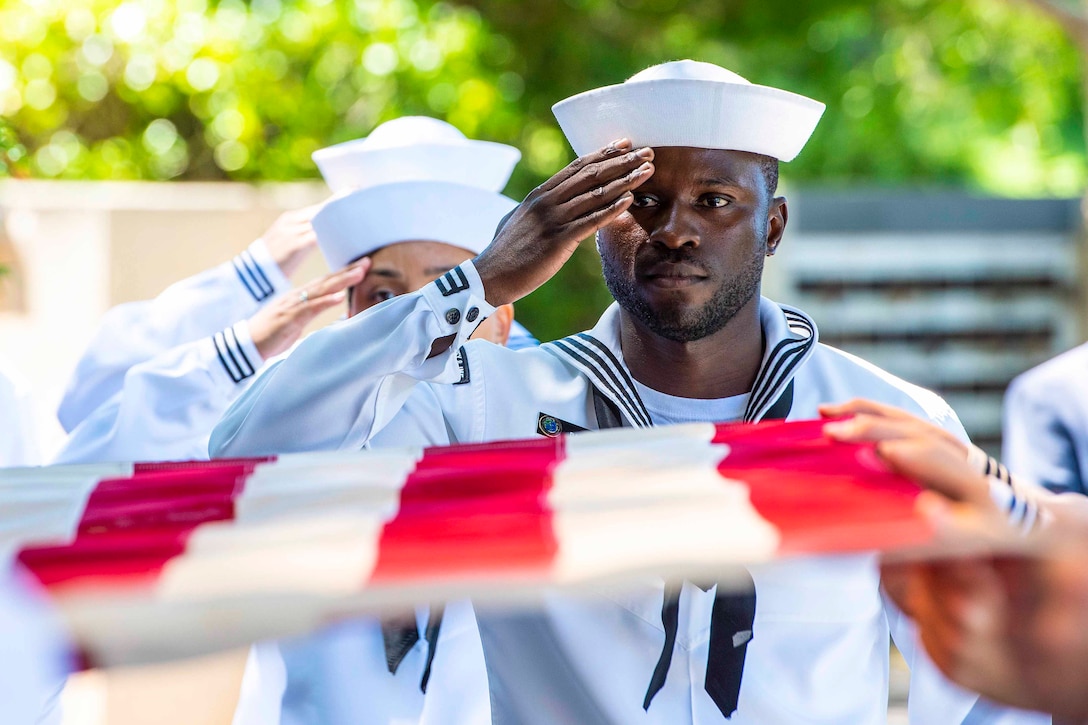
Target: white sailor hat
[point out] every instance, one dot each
(364, 221)
(690, 103)
(416, 148)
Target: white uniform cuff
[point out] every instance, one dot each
(236, 353)
(457, 300)
(259, 273)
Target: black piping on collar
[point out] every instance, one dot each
(591, 356)
(610, 377)
(778, 368)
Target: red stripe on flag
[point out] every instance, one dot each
(821, 494)
(131, 527)
(177, 498)
(110, 560)
(473, 510)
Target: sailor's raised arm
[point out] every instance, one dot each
(186, 311)
(168, 405)
(342, 384)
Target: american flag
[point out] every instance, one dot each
(153, 561)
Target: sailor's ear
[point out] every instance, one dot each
(777, 216)
(496, 328)
(504, 319)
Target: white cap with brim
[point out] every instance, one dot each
(366, 220)
(690, 103)
(416, 148)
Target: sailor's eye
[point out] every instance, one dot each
(381, 295)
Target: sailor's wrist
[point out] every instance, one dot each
(493, 290)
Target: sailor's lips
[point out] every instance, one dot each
(673, 276)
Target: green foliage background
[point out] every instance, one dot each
(984, 94)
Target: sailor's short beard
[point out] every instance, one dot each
(683, 324)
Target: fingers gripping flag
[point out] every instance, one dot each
(155, 561)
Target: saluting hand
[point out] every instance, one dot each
(279, 324)
(291, 237)
(543, 232)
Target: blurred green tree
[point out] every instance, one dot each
(978, 93)
(11, 151)
(1072, 17)
(196, 90)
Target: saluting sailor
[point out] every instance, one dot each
(164, 407)
(411, 148)
(426, 200)
(685, 210)
(207, 305)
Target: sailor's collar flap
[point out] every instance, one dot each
(789, 336)
(597, 355)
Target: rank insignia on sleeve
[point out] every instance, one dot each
(549, 425)
(452, 282)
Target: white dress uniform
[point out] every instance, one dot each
(18, 437)
(167, 405)
(190, 310)
(340, 676)
(819, 650)
(34, 656)
(1046, 423)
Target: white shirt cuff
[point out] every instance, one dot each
(259, 273)
(457, 301)
(236, 352)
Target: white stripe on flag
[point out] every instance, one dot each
(335, 483)
(304, 523)
(43, 506)
(655, 505)
(130, 630)
(320, 555)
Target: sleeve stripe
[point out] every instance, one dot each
(226, 347)
(253, 277)
(233, 359)
(241, 352)
(219, 351)
(247, 262)
(242, 276)
(256, 267)
(448, 284)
